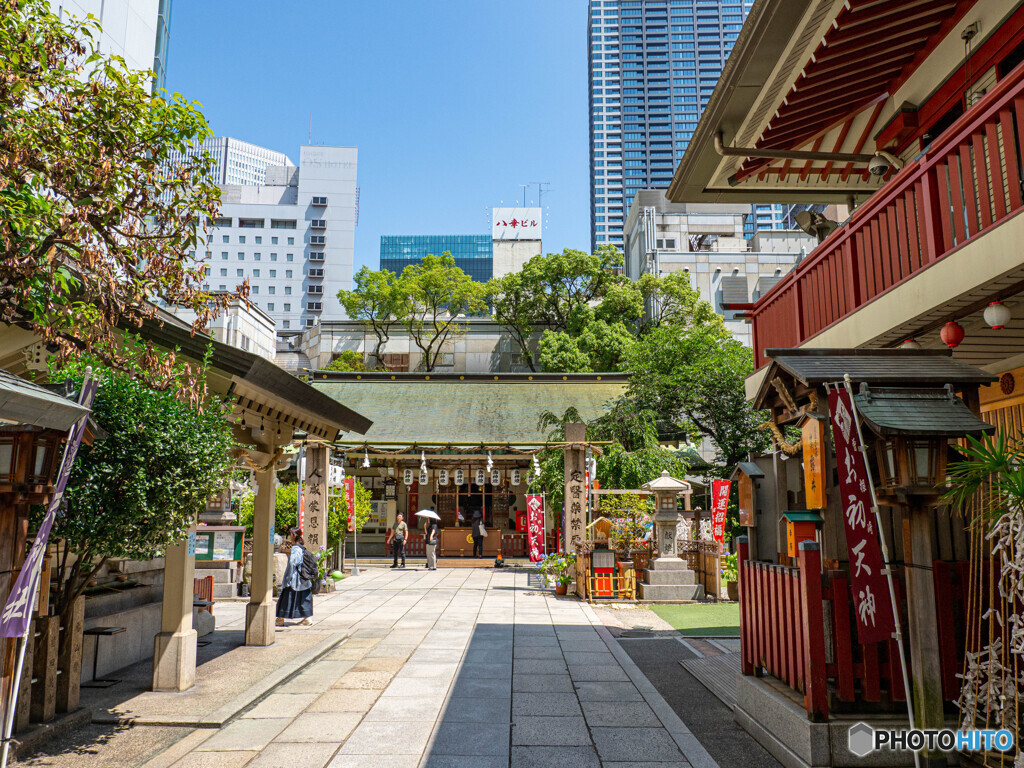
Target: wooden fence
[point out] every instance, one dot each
(705, 560)
(797, 625)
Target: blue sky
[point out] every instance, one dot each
(452, 104)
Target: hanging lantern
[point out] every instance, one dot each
(480, 477)
(910, 344)
(517, 477)
(495, 477)
(952, 334)
(997, 315)
(407, 475)
(442, 477)
(460, 476)
(424, 477)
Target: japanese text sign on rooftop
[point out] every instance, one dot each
(720, 502)
(17, 613)
(535, 526)
(871, 600)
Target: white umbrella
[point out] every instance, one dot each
(428, 513)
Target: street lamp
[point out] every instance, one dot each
(28, 459)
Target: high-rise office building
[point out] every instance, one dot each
(136, 30)
(236, 161)
(291, 237)
(653, 67)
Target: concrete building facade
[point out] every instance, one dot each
(292, 238)
(236, 161)
(137, 30)
(707, 242)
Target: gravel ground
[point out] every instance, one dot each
(104, 746)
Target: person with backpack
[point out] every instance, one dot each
(296, 598)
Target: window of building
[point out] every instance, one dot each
(241, 239)
(256, 256)
(287, 290)
(290, 256)
(270, 307)
(240, 273)
(273, 257)
(273, 273)
(222, 221)
(250, 223)
(291, 241)
(282, 223)
(287, 307)
(222, 287)
(273, 241)
(287, 273)
(225, 239)
(254, 289)
(286, 323)
(259, 240)
(255, 273)
(271, 289)
(223, 254)
(207, 271)
(241, 256)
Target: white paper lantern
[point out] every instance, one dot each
(460, 477)
(407, 476)
(495, 477)
(442, 477)
(424, 477)
(997, 315)
(517, 477)
(481, 477)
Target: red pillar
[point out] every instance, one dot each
(815, 691)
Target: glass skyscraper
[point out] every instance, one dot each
(653, 66)
(473, 254)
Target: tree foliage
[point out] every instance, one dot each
(286, 511)
(135, 492)
(439, 293)
(348, 361)
(379, 302)
(95, 223)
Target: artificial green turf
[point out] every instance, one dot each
(702, 619)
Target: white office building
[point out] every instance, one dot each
(136, 30)
(236, 161)
(291, 237)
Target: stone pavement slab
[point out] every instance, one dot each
(544, 731)
(294, 755)
(330, 727)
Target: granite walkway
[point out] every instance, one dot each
(452, 668)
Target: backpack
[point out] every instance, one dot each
(309, 570)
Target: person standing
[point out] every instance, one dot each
(431, 540)
(398, 536)
(296, 598)
(478, 532)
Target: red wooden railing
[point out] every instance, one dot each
(415, 543)
(783, 633)
(202, 588)
(969, 180)
(513, 544)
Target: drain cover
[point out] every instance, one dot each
(636, 633)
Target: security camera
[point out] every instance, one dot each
(878, 166)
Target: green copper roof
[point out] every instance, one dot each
(490, 409)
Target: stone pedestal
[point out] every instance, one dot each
(259, 623)
(670, 579)
(174, 660)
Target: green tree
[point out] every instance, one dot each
(96, 223)
(286, 511)
(379, 302)
(348, 361)
(693, 377)
(136, 492)
(439, 294)
(672, 300)
(515, 307)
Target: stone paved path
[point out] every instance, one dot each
(444, 669)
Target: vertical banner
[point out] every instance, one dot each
(315, 529)
(350, 502)
(871, 598)
(575, 487)
(812, 439)
(719, 508)
(17, 612)
(535, 526)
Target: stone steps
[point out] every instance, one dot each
(671, 592)
(678, 578)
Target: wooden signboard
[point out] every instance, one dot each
(745, 487)
(813, 441)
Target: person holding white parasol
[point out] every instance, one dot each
(431, 536)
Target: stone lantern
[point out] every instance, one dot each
(669, 578)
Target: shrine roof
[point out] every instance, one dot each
(23, 402)
(904, 367)
(933, 412)
(468, 409)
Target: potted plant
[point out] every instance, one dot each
(730, 573)
(557, 569)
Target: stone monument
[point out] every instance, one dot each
(669, 579)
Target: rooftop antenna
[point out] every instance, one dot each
(310, 139)
(540, 191)
(524, 186)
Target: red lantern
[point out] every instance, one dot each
(952, 334)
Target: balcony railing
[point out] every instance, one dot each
(968, 181)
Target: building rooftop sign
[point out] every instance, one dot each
(516, 223)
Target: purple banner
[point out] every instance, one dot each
(17, 613)
(871, 599)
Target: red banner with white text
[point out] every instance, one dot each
(350, 502)
(535, 527)
(871, 599)
(719, 508)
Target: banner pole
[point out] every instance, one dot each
(847, 382)
(12, 699)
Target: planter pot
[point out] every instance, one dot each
(561, 589)
(732, 588)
